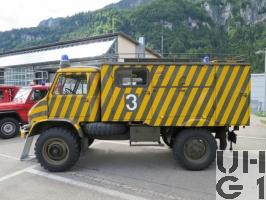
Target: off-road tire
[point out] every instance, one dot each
(99, 129)
(67, 139)
(180, 148)
(9, 128)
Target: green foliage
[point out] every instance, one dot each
(185, 25)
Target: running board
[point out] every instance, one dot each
(26, 149)
(138, 144)
(145, 136)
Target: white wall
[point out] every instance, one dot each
(257, 91)
(128, 49)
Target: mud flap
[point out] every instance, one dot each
(26, 149)
(84, 144)
(232, 139)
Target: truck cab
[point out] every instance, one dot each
(14, 113)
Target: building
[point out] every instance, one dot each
(257, 92)
(21, 67)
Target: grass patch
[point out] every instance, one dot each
(263, 121)
(261, 114)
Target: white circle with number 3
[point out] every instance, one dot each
(131, 102)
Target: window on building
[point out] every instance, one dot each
(131, 77)
(71, 85)
(21, 76)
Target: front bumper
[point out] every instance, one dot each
(24, 130)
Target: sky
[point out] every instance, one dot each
(28, 13)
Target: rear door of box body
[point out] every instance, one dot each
(232, 95)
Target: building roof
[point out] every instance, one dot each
(79, 48)
(94, 49)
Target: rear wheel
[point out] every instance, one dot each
(9, 128)
(195, 149)
(57, 149)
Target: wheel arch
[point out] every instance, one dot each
(174, 131)
(11, 114)
(44, 125)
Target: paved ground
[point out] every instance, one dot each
(113, 170)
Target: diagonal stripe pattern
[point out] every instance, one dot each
(181, 95)
(175, 95)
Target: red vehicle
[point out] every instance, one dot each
(14, 113)
(7, 93)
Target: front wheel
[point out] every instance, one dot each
(57, 149)
(195, 149)
(9, 128)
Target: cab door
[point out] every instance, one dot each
(69, 96)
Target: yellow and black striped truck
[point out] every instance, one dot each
(191, 106)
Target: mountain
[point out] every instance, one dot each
(127, 4)
(187, 26)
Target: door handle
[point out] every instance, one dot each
(244, 94)
(181, 90)
(148, 92)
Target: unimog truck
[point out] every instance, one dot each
(192, 106)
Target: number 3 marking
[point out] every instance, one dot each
(131, 102)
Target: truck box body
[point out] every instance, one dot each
(176, 94)
(166, 95)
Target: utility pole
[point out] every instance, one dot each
(113, 25)
(162, 44)
(264, 81)
(264, 104)
(162, 39)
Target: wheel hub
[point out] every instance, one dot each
(195, 149)
(55, 151)
(8, 128)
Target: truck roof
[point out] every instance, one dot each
(40, 87)
(178, 63)
(8, 86)
(79, 69)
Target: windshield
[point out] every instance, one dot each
(22, 95)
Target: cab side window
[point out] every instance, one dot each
(38, 95)
(1, 95)
(131, 77)
(71, 85)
